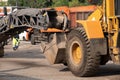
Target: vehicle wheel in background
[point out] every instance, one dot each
(32, 39)
(1, 52)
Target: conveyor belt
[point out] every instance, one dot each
(20, 20)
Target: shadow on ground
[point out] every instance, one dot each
(106, 70)
(6, 76)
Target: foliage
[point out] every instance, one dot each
(2, 3)
(47, 3)
(29, 3)
(11, 2)
(74, 3)
(57, 3)
(70, 3)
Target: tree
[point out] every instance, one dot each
(47, 3)
(3, 3)
(74, 3)
(31, 3)
(57, 3)
(11, 2)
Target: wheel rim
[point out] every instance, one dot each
(76, 53)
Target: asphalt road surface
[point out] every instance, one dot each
(28, 63)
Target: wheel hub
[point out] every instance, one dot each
(76, 53)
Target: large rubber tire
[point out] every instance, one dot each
(80, 59)
(32, 39)
(1, 52)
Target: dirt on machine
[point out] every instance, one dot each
(93, 42)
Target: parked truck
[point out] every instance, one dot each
(73, 14)
(83, 48)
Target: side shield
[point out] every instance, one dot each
(95, 34)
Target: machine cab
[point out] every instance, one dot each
(117, 8)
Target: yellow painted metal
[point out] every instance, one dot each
(92, 25)
(113, 29)
(76, 53)
(104, 20)
(92, 28)
(110, 8)
(96, 16)
(113, 26)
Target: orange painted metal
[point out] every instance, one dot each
(73, 13)
(28, 31)
(80, 13)
(64, 9)
(76, 13)
(73, 20)
(52, 30)
(83, 8)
